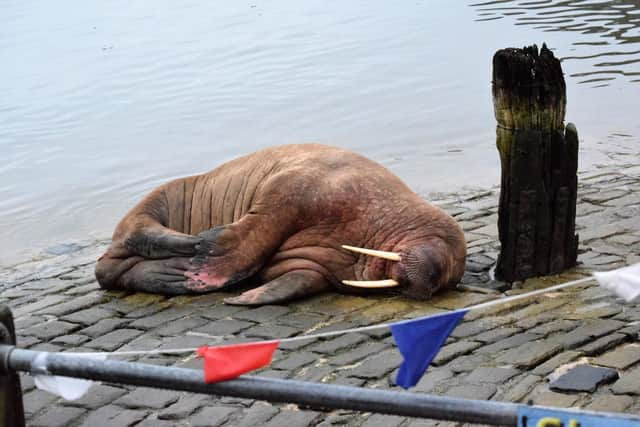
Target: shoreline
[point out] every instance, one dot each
(69, 245)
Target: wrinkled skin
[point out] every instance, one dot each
(277, 218)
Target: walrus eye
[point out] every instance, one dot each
(388, 283)
(391, 256)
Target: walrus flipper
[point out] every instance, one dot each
(292, 285)
(162, 243)
(236, 251)
(159, 276)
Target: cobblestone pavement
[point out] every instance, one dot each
(508, 353)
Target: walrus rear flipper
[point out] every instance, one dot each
(159, 276)
(289, 286)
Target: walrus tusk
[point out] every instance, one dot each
(388, 283)
(391, 256)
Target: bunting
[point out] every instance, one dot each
(230, 361)
(624, 282)
(65, 387)
(419, 341)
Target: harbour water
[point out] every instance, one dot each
(102, 101)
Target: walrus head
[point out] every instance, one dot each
(416, 271)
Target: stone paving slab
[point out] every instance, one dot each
(506, 353)
(583, 378)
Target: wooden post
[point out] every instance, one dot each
(11, 407)
(539, 157)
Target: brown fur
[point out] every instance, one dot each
(279, 216)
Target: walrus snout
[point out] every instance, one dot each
(428, 268)
(419, 273)
(414, 272)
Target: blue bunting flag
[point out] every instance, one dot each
(419, 341)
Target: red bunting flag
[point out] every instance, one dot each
(230, 361)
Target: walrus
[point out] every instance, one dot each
(294, 220)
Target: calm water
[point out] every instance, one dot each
(101, 103)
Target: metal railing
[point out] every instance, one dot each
(312, 395)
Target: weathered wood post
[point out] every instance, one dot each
(11, 407)
(536, 216)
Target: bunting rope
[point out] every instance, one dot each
(353, 330)
(418, 340)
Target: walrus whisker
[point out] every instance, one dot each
(391, 256)
(388, 283)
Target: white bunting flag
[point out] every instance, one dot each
(625, 282)
(65, 387)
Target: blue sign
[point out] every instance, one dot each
(532, 416)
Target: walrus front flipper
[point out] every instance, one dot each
(162, 243)
(158, 276)
(292, 285)
(234, 252)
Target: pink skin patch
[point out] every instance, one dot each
(205, 280)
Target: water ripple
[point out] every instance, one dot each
(602, 23)
(102, 101)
